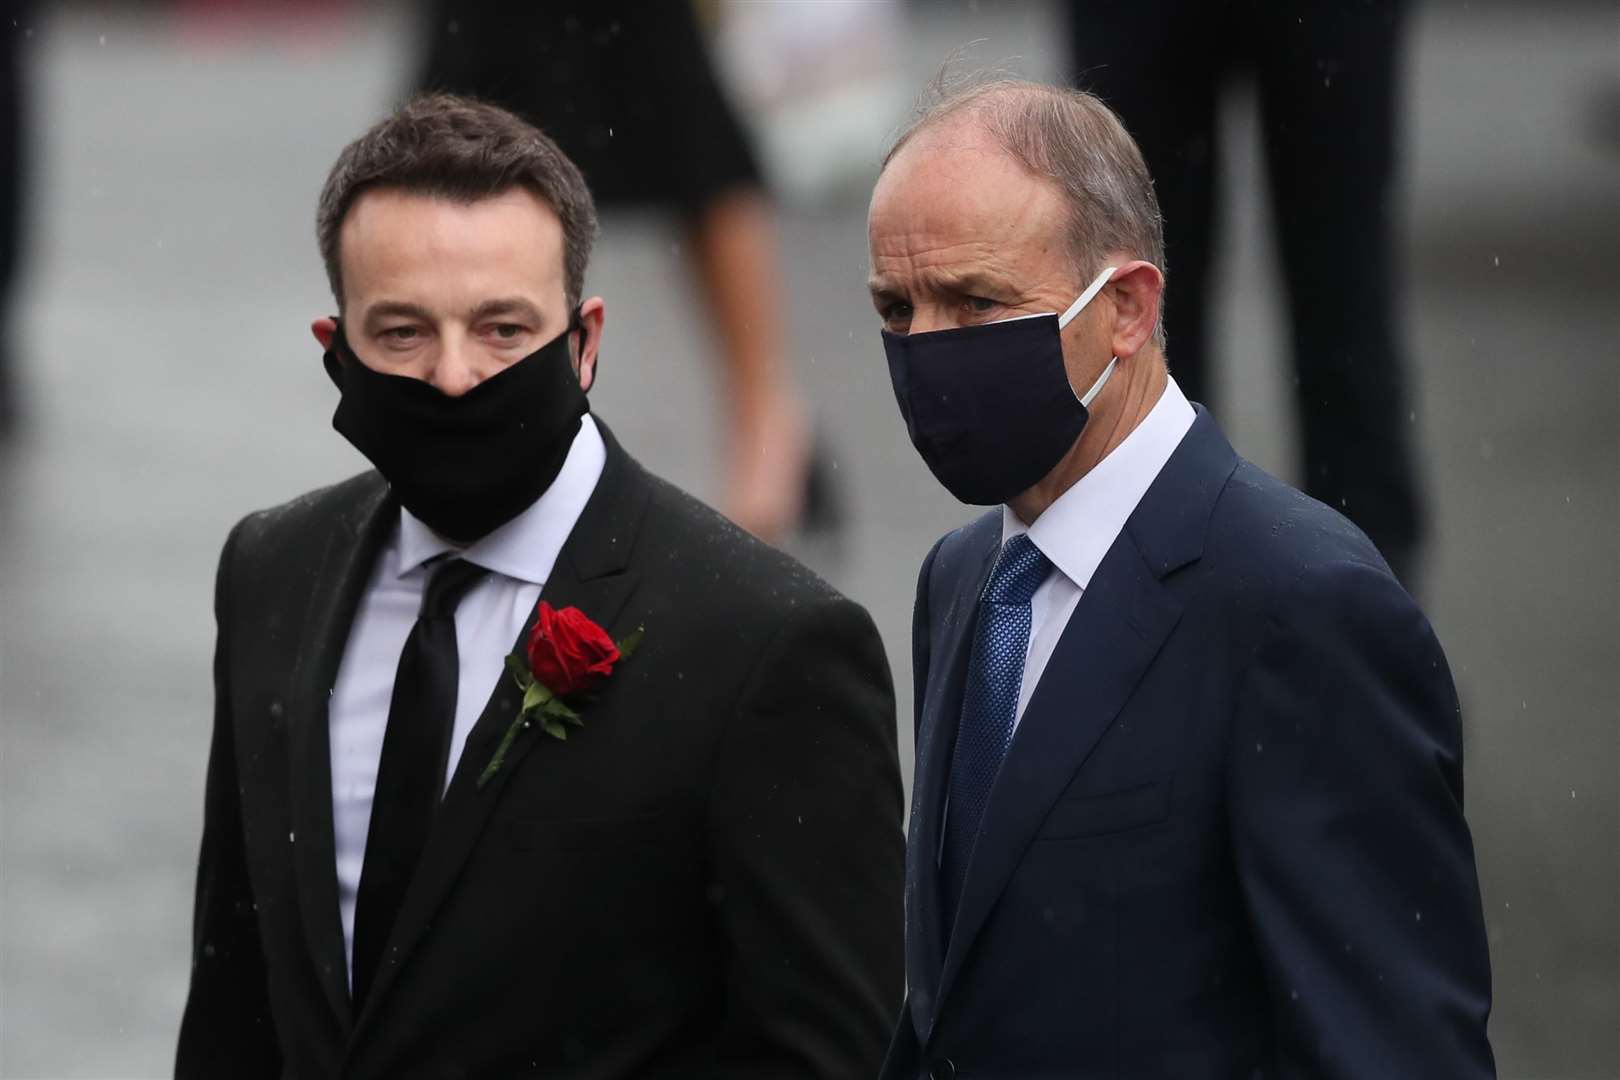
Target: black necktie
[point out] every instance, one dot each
(410, 775)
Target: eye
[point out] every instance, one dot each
(896, 316)
(506, 333)
(401, 335)
(980, 305)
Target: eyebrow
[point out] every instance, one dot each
(506, 305)
(394, 309)
(968, 281)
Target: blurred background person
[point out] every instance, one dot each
(15, 30)
(1327, 74)
(629, 92)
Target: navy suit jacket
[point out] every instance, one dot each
(1228, 838)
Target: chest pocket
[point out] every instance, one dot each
(1134, 807)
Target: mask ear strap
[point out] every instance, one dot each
(1097, 386)
(1085, 298)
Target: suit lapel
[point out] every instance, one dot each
(339, 584)
(936, 735)
(594, 574)
(1112, 637)
(1118, 627)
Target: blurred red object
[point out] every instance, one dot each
(216, 21)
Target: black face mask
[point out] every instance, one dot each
(989, 407)
(463, 465)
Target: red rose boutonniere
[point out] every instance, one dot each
(568, 655)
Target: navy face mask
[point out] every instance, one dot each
(989, 407)
(463, 465)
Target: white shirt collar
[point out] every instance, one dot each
(526, 547)
(1077, 530)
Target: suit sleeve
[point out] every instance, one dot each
(808, 856)
(1352, 853)
(226, 1029)
(901, 1059)
(922, 629)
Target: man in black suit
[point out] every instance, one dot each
(1189, 788)
(703, 878)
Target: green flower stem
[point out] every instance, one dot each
(507, 740)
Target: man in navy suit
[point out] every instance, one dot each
(1188, 799)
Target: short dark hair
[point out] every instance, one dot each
(463, 150)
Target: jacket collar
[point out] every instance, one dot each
(593, 571)
(1111, 640)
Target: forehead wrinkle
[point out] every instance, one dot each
(944, 267)
(937, 218)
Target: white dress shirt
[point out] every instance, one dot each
(520, 556)
(1077, 530)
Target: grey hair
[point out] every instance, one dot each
(1070, 138)
(462, 150)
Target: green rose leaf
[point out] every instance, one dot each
(519, 667)
(554, 729)
(536, 696)
(632, 642)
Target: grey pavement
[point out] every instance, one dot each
(175, 387)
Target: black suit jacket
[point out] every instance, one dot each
(1227, 840)
(704, 880)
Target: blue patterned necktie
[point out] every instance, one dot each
(989, 702)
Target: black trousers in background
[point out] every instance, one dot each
(12, 179)
(1326, 73)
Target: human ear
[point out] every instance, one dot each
(1134, 294)
(592, 318)
(325, 330)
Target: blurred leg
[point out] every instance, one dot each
(1158, 64)
(12, 180)
(733, 242)
(629, 93)
(1328, 93)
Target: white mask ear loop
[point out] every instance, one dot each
(1097, 386)
(1086, 297)
(1074, 309)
